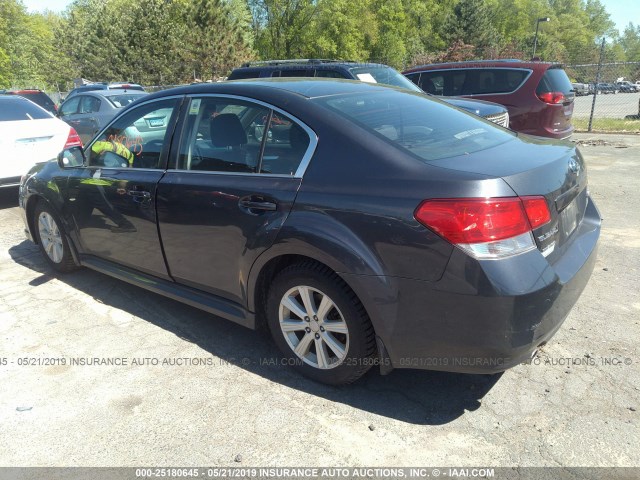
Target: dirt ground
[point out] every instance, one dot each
(220, 398)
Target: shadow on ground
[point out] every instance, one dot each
(8, 197)
(413, 396)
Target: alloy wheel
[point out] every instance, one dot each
(314, 327)
(50, 237)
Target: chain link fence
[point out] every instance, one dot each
(607, 92)
(607, 96)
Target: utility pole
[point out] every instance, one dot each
(535, 39)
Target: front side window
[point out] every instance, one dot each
(426, 128)
(70, 106)
(228, 135)
(135, 140)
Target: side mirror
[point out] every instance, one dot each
(71, 157)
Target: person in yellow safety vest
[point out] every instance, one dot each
(118, 148)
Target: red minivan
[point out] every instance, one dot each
(538, 95)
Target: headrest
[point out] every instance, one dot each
(226, 131)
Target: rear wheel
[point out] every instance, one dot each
(319, 324)
(51, 239)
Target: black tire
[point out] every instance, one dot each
(360, 346)
(65, 263)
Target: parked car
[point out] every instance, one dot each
(539, 95)
(29, 135)
(365, 72)
(364, 224)
(105, 86)
(36, 96)
(89, 111)
(627, 87)
(581, 89)
(606, 88)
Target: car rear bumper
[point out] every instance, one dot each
(488, 316)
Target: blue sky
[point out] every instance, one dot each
(622, 11)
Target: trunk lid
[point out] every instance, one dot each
(531, 166)
(27, 142)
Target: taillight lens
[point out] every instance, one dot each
(537, 211)
(73, 140)
(552, 98)
(486, 227)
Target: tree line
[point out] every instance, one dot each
(163, 42)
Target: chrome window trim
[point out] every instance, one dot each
(306, 158)
(529, 70)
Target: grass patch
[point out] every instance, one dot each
(612, 125)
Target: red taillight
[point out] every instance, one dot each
(474, 220)
(537, 211)
(73, 140)
(486, 227)
(552, 98)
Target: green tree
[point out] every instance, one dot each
(471, 22)
(283, 27)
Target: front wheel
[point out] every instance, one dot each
(320, 325)
(51, 239)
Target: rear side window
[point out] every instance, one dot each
(485, 81)
(292, 72)
(554, 80)
(428, 129)
(223, 135)
(242, 74)
(472, 81)
(89, 104)
(329, 74)
(20, 109)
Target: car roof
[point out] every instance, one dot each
(112, 92)
(504, 63)
(307, 62)
(304, 87)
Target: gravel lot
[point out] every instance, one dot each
(576, 405)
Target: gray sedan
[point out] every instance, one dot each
(90, 111)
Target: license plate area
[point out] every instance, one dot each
(156, 122)
(570, 217)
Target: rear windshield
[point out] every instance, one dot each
(124, 99)
(554, 80)
(21, 109)
(426, 128)
(384, 75)
(39, 98)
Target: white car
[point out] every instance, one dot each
(29, 135)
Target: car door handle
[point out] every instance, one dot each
(139, 194)
(249, 204)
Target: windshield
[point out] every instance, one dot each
(426, 128)
(124, 99)
(20, 109)
(384, 75)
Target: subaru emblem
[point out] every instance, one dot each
(574, 166)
